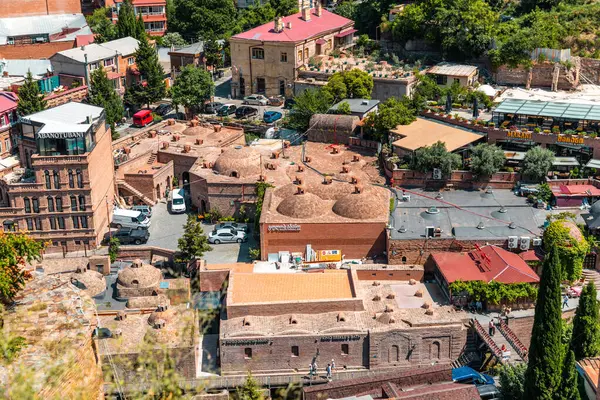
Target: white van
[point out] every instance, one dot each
(177, 201)
(130, 219)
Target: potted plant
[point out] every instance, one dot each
(547, 131)
(555, 130)
(537, 130)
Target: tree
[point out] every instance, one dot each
(152, 72)
(308, 103)
(253, 16)
(284, 7)
(113, 248)
(571, 247)
(347, 9)
(126, 23)
(30, 98)
(102, 94)
(512, 380)
(585, 341)
(486, 159)
(391, 113)
(15, 250)
(140, 28)
(103, 28)
(193, 244)
(436, 156)
(173, 39)
(193, 87)
(354, 84)
(543, 375)
(569, 386)
(344, 108)
(213, 53)
(529, 5)
(250, 390)
(197, 18)
(537, 163)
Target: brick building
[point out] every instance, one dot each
(189, 55)
(30, 30)
(25, 8)
(62, 193)
(154, 14)
(8, 116)
(266, 59)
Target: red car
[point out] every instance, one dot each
(574, 291)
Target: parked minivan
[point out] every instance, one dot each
(177, 201)
(129, 219)
(147, 210)
(142, 118)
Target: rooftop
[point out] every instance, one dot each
(591, 368)
(357, 105)
(97, 52)
(553, 109)
(38, 68)
(575, 190)
(68, 117)
(424, 132)
(452, 69)
(125, 46)
(43, 25)
(300, 29)
(8, 101)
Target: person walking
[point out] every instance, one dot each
(565, 301)
(492, 327)
(310, 371)
(479, 306)
(315, 371)
(332, 364)
(328, 371)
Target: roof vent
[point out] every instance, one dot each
(503, 210)
(512, 225)
(439, 196)
(402, 229)
(480, 225)
(365, 102)
(433, 210)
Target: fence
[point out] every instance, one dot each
(551, 54)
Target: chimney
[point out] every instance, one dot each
(318, 8)
(289, 25)
(306, 14)
(278, 24)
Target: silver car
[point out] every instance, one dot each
(256, 99)
(232, 225)
(227, 236)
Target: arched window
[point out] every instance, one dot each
(81, 202)
(79, 178)
(27, 203)
(394, 354)
(50, 204)
(36, 205)
(52, 223)
(56, 180)
(73, 203)
(403, 259)
(47, 179)
(135, 282)
(59, 205)
(434, 350)
(71, 181)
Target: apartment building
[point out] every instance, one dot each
(266, 59)
(8, 116)
(62, 194)
(23, 8)
(154, 14)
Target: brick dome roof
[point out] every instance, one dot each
(139, 275)
(365, 205)
(92, 282)
(301, 206)
(240, 161)
(167, 316)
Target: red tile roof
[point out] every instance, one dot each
(8, 101)
(530, 255)
(83, 40)
(301, 29)
(577, 190)
(491, 263)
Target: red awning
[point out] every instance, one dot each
(114, 75)
(346, 33)
(321, 41)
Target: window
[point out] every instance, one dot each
(295, 351)
(71, 182)
(59, 206)
(283, 57)
(27, 205)
(456, 80)
(81, 202)
(403, 259)
(300, 55)
(7, 144)
(73, 203)
(56, 180)
(94, 66)
(61, 222)
(108, 62)
(79, 179)
(50, 204)
(84, 222)
(248, 353)
(47, 179)
(154, 26)
(9, 226)
(258, 53)
(394, 354)
(75, 221)
(38, 224)
(52, 223)
(345, 349)
(441, 79)
(130, 61)
(36, 205)
(29, 224)
(306, 54)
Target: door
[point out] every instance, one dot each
(242, 87)
(282, 87)
(260, 85)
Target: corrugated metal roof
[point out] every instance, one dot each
(125, 46)
(39, 25)
(95, 52)
(20, 67)
(453, 69)
(578, 111)
(69, 117)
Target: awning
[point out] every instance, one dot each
(565, 162)
(514, 155)
(593, 163)
(114, 75)
(346, 33)
(321, 41)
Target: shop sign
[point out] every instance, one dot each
(284, 228)
(569, 139)
(519, 135)
(347, 338)
(255, 342)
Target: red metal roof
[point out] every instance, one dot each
(301, 29)
(8, 101)
(83, 40)
(578, 190)
(491, 263)
(346, 33)
(114, 75)
(530, 255)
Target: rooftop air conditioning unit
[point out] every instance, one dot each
(524, 242)
(437, 173)
(513, 242)
(537, 242)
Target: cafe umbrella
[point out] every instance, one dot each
(475, 108)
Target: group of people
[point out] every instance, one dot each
(476, 306)
(313, 369)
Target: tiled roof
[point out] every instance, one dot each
(42, 25)
(301, 29)
(453, 69)
(577, 190)
(423, 133)
(591, 368)
(7, 102)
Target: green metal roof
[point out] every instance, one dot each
(550, 109)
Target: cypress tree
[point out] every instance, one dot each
(152, 73)
(31, 100)
(585, 341)
(140, 28)
(126, 24)
(569, 385)
(542, 378)
(103, 94)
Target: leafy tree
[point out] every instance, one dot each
(512, 380)
(529, 5)
(436, 156)
(102, 94)
(193, 87)
(213, 53)
(173, 39)
(255, 15)
(30, 98)
(544, 192)
(103, 28)
(585, 341)
(391, 113)
(571, 249)
(197, 18)
(15, 250)
(486, 159)
(569, 385)
(354, 84)
(348, 9)
(538, 161)
(152, 73)
(193, 244)
(308, 103)
(344, 108)
(427, 88)
(284, 7)
(126, 24)
(542, 379)
(113, 248)
(250, 390)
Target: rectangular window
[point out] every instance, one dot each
(345, 349)
(79, 179)
(73, 203)
(56, 180)
(52, 223)
(295, 351)
(81, 203)
(130, 61)
(61, 222)
(59, 206)
(457, 80)
(75, 221)
(29, 224)
(84, 222)
(258, 54)
(108, 62)
(441, 79)
(27, 205)
(38, 224)
(36, 205)
(283, 57)
(50, 204)
(299, 55)
(306, 54)
(248, 353)
(71, 183)
(7, 144)
(93, 66)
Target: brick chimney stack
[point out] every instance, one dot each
(305, 10)
(318, 8)
(278, 24)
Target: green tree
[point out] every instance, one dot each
(197, 18)
(140, 28)
(354, 84)
(30, 98)
(284, 7)
(486, 159)
(347, 9)
(529, 5)
(569, 389)
(113, 248)
(102, 94)
(253, 16)
(250, 390)
(436, 156)
(193, 244)
(542, 379)
(152, 73)
(585, 340)
(193, 87)
(344, 108)
(173, 39)
(308, 103)
(391, 113)
(15, 250)
(538, 161)
(213, 53)
(572, 247)
(512, 380)
(101, 25)
(126, 24)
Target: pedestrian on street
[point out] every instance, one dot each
(315, 366)
(565, 301)
(328, 370)
(492, 327)
(332, 364)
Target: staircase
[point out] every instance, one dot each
(593, 276)
(121, 184)
(152, 159)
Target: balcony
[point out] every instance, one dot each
(53, 160)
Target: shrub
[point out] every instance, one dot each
(555, 129)
(537, 130)
(254, 253)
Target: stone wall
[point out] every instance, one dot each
(305, 307)
(522, 326)
(417, 251)
(383, 275)
(76, 94)
(590, 71)
(540, 76)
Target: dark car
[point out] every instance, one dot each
(245, 112)
(226, 110)
(289, 103)
(132, 236)
(271, 116)
(211, 108)
(163, 109)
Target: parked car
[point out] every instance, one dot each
(123, 218)
(142, 118)
(276, 101)
(144, 209)
(163, 109)
(256, 100)
(469, 375)
(211, 108)
(271, 116)
(227, 236)
(131, 236)
(289, 103)
(232, 225)
(245, 112)
(226, 110)
(488, 392)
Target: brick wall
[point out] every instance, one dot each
(305, 307)
(417, 251)
(590, 68)
(23, 8)
(522, 327)
(225, 197)
(76, 94)
(212, 281)
(380, 275)
(147, 183)
(32, 51)
(541, 76)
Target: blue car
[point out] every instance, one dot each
(271, 116)
(469, 375)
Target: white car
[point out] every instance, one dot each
(256, 99)
(227, 236)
